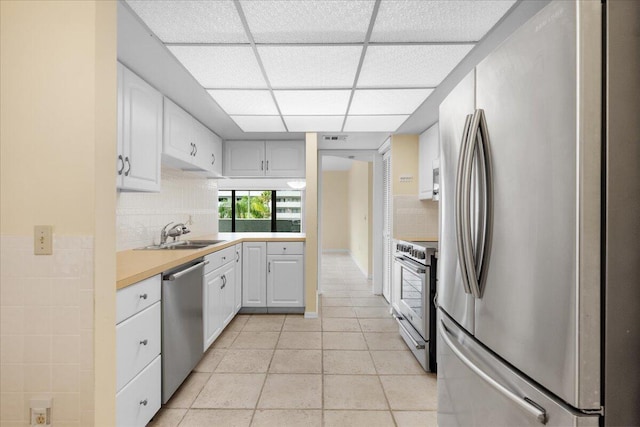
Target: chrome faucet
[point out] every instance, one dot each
(176, 231)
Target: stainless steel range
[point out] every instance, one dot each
(414, 288)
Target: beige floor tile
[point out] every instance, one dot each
(358, 419)
(353, 392)
(343, 341)
(300, 340)
(372, 312)
(167, 417)
(240, 391)
(401, 362)
(245, 361)
(298, 323)
(335, 293)
(361, 294)
(296, 362)
(217, 417)
(336, 302)
(347, 362)
(338, 312)
(369, 302)
(287, 418)
(385, 341)
(189, 390)
(416, 418)
(411, 392)
(292, 391)
(340, 325)
(210, 360)
(225, 339)
(379, 325)
(256, 340)
(264, 323)
(238, 322)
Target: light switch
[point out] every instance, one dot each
(42, 240)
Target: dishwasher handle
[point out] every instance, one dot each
(181, 273)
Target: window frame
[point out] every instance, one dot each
(274, 204)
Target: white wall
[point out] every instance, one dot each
(360, 183)
(141, 216)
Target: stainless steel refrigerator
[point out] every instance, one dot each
(522, 246)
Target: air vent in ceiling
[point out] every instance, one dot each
(334, 138)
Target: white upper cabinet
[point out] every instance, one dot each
(428, 159)
(188, 144)
(139, 133)
(264, 158)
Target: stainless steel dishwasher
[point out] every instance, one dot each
(182, 333)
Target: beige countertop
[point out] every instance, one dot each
(135, 265)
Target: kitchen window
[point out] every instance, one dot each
(259, 211)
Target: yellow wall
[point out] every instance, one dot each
(360, 183)
(404, 162)
(335, 199)
(311, 224)
(58, 136)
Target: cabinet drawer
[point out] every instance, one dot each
(139, 401)
(137, 343)
(220, 258)
(136, 298)
(285, 248)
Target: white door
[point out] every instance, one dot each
(386, 224)
(285, 158)
(142, 134)
(254, 274)
(285, 278)
(238, 277)
(244, 158)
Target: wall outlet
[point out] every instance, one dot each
(42, 240)
(40, 412)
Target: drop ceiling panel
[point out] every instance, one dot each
(312, 102)
(373, 123)
(409, 65)
(314, 123)
(310, 66)
(435, 21)
(259, 123)
(245, 102)
(305, 21)
(221, 66)
(387, 101)
(192, 21)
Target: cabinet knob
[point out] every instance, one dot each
(144, 402)
(143, 296)
(144, 342)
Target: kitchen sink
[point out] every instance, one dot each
(182, 245)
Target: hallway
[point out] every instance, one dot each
(348, 368)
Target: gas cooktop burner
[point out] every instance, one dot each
(417, 251)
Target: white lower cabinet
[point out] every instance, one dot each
(254, 274)
(285, 281)
(138, 347)
(238, 299)
(219, 296)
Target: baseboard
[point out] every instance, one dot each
(310, 315)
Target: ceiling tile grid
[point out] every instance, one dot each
(320, 65)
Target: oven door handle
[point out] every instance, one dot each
(410, 267)
(416, 344)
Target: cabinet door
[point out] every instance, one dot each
(244, 158)
(285, 158)
(254, 274)
(238, 273)
(213, 307)
(428, 153)
(120, 113)
(179, 137)
(228, 293)
(208, 151)
(285, 281)
(142, 134)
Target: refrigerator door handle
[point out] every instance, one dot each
(458, 205)
(524, 402)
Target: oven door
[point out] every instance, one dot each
(412, 293)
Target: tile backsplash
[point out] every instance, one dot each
(46, 329)
(414, 219)
(184, 195)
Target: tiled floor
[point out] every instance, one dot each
(348, 368)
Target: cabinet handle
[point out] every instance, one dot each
(237, 256)
(192, 147)
(143, 296)
(214, 159)
(269, 267)
(196, 147)
(224, 281)
(144, 342)
(262, 165)
(267, 164)
(121, 160)
(144, 402)
(126, 160)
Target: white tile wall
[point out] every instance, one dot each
(46, 335)
(141, 216)
(414, 218)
